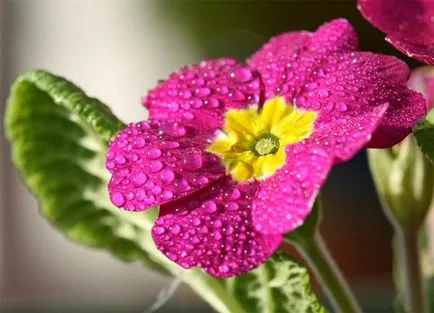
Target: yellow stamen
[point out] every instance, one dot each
(252, 144)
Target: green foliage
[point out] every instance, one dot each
(424, 134)
(404, 179)
(280, 285)
(59, 138)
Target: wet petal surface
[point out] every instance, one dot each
(198, 95)
(408, 25)
(285, 199)
(154, 163)
(213, 230)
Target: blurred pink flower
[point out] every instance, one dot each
(409, 25)
(422, 80)
(235, 154)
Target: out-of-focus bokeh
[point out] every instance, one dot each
(116, 51)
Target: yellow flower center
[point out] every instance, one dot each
(252, 143)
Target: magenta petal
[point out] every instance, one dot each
(153, 163)
(408, 24)
(286, 198)
(213, 230)
(406, 108)
(286, 61)
(198, 95)
(352, 92)
(422, 53)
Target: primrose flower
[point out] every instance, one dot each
(408, 25)
(235, 154)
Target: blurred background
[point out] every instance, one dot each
(116, 51)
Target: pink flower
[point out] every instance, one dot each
(422, 80)
(235, 154)
(408, 25)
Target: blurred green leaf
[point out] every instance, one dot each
(404, 179)
(59, 138)
(280, 285)
(424, 134)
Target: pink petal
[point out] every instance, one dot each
(213, 229)
(286, 198)
(198, 95)
(352, 92)
(286, 61)
(422, 53)
(408, 24)
(422, 80)
(406, 108)
(155, 162)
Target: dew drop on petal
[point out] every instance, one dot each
(117, 198)
(155, 166)
(209, 206)
(139, 178)
(167, 176)
(153, 153)
(159, 230)
(192, 161)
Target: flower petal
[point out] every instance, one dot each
(408, 24)
(213, 230)
(422, 80)
(421, 53)
(351, 92)
(156, 162)
(286, 198)
(286, 61)
(198, 95)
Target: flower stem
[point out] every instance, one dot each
(409, 258)
(321, 262)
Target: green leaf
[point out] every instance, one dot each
(424, 133)
(404, 179)
(279, 285)
(59, 139)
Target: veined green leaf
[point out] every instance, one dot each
(279, 285)
(59, 138)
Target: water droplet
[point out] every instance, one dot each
(341, 107)
(169, 145)
(119, 159)
(218, 223)
(176, 229)
(139, 178)
(232, 206)
(117, 198)
(311, 86)
(156, 190)
(223, 268)
(155, 166)
(159, 230)
(235, 194)
(192, 161)
(209, 206)
(202, 92)
(153, 153)
(242, 75)
(167, 176)
(167, 195)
